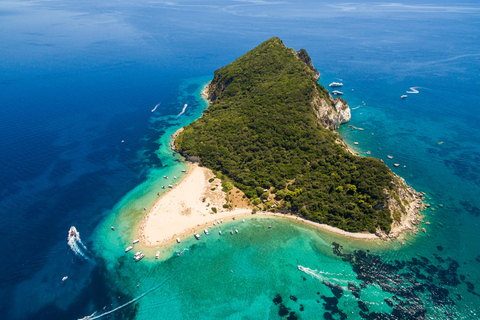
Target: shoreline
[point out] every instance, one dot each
(166, 220)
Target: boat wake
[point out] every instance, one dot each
(76, 244)
(356, 107)
(183, 110)
(92, 316)
(155, 107)
(320, 275)
(413, 90)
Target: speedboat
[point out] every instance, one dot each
(335, 84)
(206, 231)
(197, 236)
(137, 253)
(337, 93)
(165, 177)
(128, 248)
(113, 228)
(231, 231)
(178, 240)
(170, 186)
(136, 241)
(403, 96)
(157, 255)
(183, 170)
(73, 233)
(139, 257)
(64, 278)
(236, 230)
(220, 232)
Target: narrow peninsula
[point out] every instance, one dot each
(269, 131)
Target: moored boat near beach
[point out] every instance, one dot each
(128, 248)
(157, 255)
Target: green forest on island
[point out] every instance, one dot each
(262, 133)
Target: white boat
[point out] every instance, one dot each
(174, 177)
(335, 84)
(337, 93)
(73, 233)
(231, 231)
(137, 253)
(197, 236)
(243, 220)
(64, 278)
(136, 241)
(157, 255)
(236, 230)
(128, 248)
(139, 257)
(170, 186)
(220, 232)
(165, 177)
(404, 96)
(178, 240)
(183, 170)
(206, 231)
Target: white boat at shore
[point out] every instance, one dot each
(157, 255)
(136, 241)
(178, 240)
(335, 84)
(220, 232)
(197, 236)
(206, 231)
(128, 248)
(236, 230)
(337, 93)
(139, 257)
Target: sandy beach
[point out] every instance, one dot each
(186, 208)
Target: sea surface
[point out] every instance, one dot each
(81, 145)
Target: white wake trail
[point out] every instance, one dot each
(413, 90)
(92, 317)
(155, 107)
(183, 110)
(76, 244)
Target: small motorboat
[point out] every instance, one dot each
(122, 141)
(178, 240)
(206, 231)
(137, 254)
(163, 187)
(337, 93)
(174, 177)
(335, 84)
(165, 177)
(139, 257)
(64, 278)
(236, 230)
(197, 236)
(136, 241)
(157, 255)
(170, 186)
(128, 248)
(183, 170)
(231, 231)
(403, 96)
(220, 232)
(112, 227)
(269, 227)
(243, 220)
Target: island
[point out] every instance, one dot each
(266, 145)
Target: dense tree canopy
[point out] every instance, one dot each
(261, 132)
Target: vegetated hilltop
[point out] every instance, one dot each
(267, 131)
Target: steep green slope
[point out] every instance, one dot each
(261, 130)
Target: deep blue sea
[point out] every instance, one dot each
(79, 77)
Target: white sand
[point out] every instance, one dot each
(186, 208)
